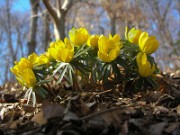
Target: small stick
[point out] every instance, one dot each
(106, 111)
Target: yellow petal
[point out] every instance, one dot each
(134, 35)
(78, 36)
(112, 55)
(103, 57)
(142, 37)
(27, 77)
(151, 45)
(53, 52)
(68, 44)
(108, 48)
(14, 70)
(93, 41)
(52, 44)
(32, 58)
(116, 38)
(144, 67)
(126, 32)
(67, 55)
(24, 63)
(42, 59)
(59, 44)
(148, 45)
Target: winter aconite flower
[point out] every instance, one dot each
(145, 68)
(62, 51)
(43, 59)
(79, 36)
(26, 77)
(38, 60)
(24, 73)
(108, 48)
(148, 44)
(93, 41)
(32, 58)
(22, 64)
(133, 35)
(115, 38)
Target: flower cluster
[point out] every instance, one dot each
(97, 57)
(147, 45)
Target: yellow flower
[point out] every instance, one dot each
(33, 58)
(93, 41)
(133, 35)
(145, 68)
(38, 60)
(24, 73)
(62, 51)
(79, 36)
(115, 38)
(14, 69)
(22, 64)
(26, 77)
(108, 48)
(50, 58)
(42, 59)
(148, 44)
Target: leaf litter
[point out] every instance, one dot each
(102, 110)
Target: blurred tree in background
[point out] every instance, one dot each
(22, 33)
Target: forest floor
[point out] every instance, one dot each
(97, 110)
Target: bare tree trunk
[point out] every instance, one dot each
(161, 20)
(59, 15)
(19, 42)
(33, 26)
(62, 26)
(113, 25)
(59, 29)
(46, 30)
(12, 55)
(9, 33)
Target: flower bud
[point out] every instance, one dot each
(79, 36)
(145, 68)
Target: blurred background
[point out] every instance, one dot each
(28, 26)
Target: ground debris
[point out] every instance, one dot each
(92, 112)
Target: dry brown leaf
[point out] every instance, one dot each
(28, 108)
(78, 106)
(171, 128)
(39, 118)
(157, 129)
(52, 110)
(178, 109)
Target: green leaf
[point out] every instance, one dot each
(34, 98)
(29, 95)
(81, 50)
(106, 73)
(102, 71)
(122, 62)
(45, 81)
(150, 59)
(139, 83)
(70, 75)
(152, 82)
(96, 71)
(61, 65)
(84, 69)
(41, 91)
(62, 74)
(116, 71)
